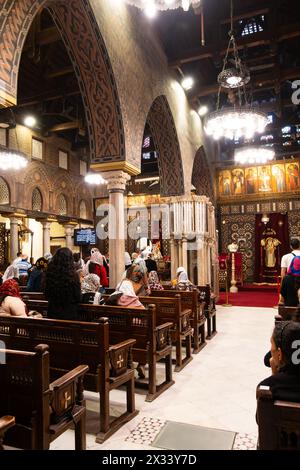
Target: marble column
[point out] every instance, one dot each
(69, 232)
(174, 257)
(116, 184)
(46, 236)
(185, 253)
(14, 237)
(200, 261)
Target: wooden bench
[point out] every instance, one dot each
(190, 301)
(153, 342)
(6, 422)
(278, 423)
(285, 313)
(206, 296)
(32, 296)
(42, 410)
(72, 343)
(170, 310)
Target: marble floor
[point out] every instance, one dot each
(216, 390)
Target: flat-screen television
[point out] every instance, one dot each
(84, 236)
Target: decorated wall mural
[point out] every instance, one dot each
(278, 177)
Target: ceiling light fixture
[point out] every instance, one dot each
(241, 120)
(187, 83)
(30, 121)
(253, 155)
(202, 110)
(94, 178)
(165, 4)
(12, 159)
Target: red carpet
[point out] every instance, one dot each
(252, 296)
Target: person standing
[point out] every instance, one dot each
(287, 259)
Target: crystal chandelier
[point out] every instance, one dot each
(155, 5)
(12, 159)
(253, 155)
(241, 120)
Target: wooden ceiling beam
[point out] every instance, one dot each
(66, 126)
(244, 16)
(60, 73)
(49, 96)
(252, 40)
(48, 36)
(257, 82)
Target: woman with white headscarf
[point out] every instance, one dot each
(183, 282)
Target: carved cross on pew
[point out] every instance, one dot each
(67, 399)
(162, 338)
(120, 361)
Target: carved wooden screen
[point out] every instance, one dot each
(2, 246)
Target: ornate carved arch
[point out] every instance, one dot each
(162, 126)
(201, 176)
(83, 40)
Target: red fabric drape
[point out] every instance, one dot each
(276, 229)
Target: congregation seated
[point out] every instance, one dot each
(11, 303)
(291, 285)
(36, 278)
(154, 282)
(151, 263)
(23, 267)
(90, 283)
(62, 286)
(284, 382)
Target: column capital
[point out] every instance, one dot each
(116, 180)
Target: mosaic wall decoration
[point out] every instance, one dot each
(240, 229)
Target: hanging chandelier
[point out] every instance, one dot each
(253, 155)
(12, 159)
(155, 5)
(94, 179)
(240, 120)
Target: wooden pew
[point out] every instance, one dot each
(42, 410)
(170, 310)
(153, 342)
(6, 422)
(72, 343)
(206, 296)
(32, 296)
(278, 423)
(285, 313)
(190, 301)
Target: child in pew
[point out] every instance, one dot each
(285, 362)
(11, 303)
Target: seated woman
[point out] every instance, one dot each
(11, 303)
(96, 262)
(154, 282)
(285, 362)
(62, 286)
(291, 285)
(130, 287)
(183, 282)
(90, 284)
(36, 278)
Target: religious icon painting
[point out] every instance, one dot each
(225, 183)
(292, 176)
(264, 179)
(251, 180)
(278, 178)
(238, 181)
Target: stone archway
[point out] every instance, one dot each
(83, 40)
(162, 127)
(201, 176)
